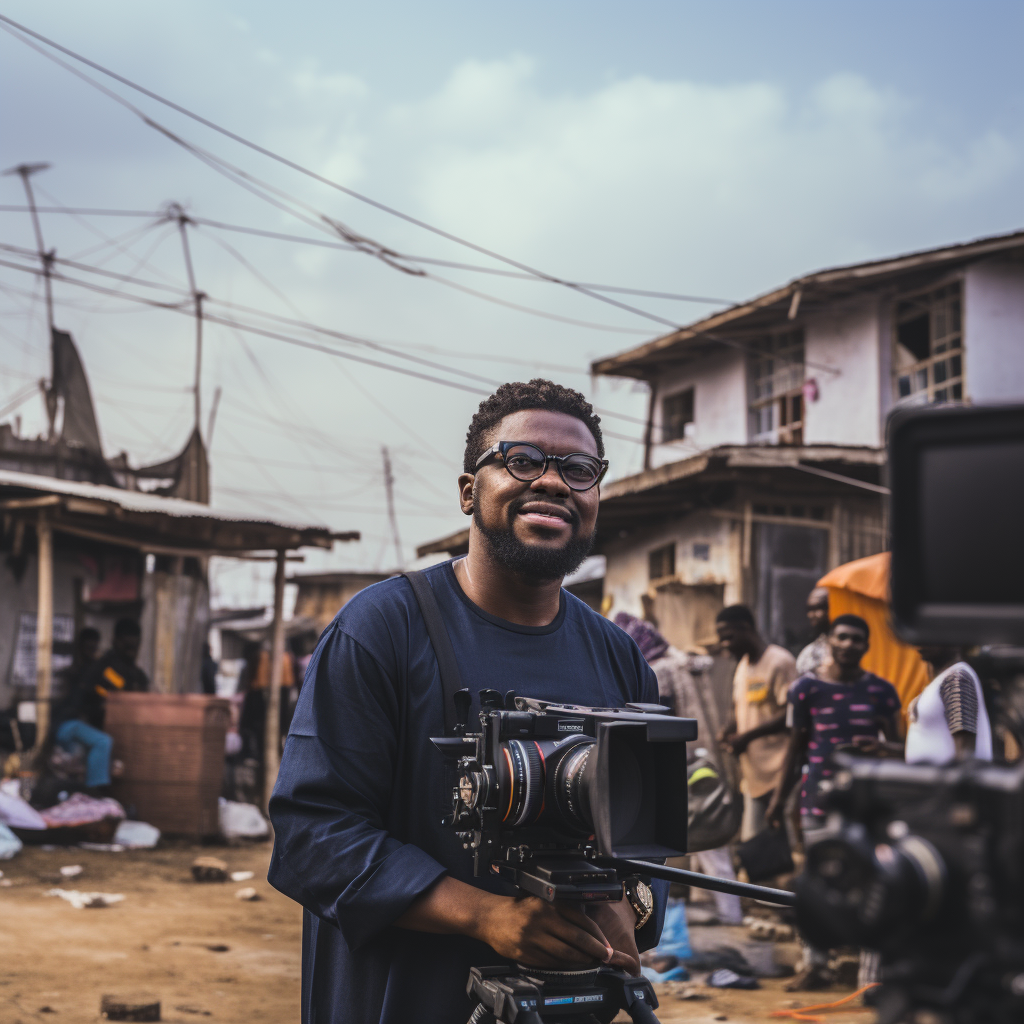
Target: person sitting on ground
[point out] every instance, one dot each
(948, 720)
(79, 718)
(817, 651)
(838, 705)
(756, 734)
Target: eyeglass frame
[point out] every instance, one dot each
(501, 447)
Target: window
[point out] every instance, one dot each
(776, 379)
(676, 412)
(701, 552)
(661, 562)
(929, 360)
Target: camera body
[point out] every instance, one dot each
(924, 864)
(545, 791)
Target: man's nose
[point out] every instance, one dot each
(550, 481)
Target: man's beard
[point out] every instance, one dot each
(533, 561)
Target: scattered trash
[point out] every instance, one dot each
(92, 900)
(720, 1016)
(71, 870)
(249, 893)
(100, 847)
(193, 1009)
(767, 930)
(242, 876)
(10, 844)
(665, 968)
(136, 835)
(724, 978)
(209, 869)
(241, 821)
(80, 809)
(46, 1009)
(687, 992)
(130, 1007)
(218, 948)
(16, 812)
(720, 956)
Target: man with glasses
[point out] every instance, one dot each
(393, 916)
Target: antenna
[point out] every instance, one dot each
(389, 490)
(25, 172)
(213, 416)
(175, 211)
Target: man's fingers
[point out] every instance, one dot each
(560, 952)
(579, 918)
(625, 962)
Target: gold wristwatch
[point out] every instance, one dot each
(640, 897)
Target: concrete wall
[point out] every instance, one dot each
(994, 331)
(626, 575)
(848, 409)
(719, 405)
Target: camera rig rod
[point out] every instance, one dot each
(757, 892)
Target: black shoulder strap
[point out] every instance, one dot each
(440, 641)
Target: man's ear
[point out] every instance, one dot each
(466, 481)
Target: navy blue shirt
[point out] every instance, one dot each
(361, 791)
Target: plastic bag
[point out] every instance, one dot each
(241, 820)
(10, 844)
(675, 936)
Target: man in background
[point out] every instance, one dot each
(79, 717)
(757, 732)
(816, 653)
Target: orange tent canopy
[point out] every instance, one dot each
(862, 588)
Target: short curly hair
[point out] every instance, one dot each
(514, 397)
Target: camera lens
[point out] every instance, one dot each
(571, 787)
(523, 781)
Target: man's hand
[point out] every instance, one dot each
(531, 931)
(618, 923)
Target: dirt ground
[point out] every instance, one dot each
(201, 951)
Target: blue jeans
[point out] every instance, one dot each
(97, 744)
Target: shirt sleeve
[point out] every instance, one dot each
(798, 714)
(960, 700)
(332, 851)
(783, 675)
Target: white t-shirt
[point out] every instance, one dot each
(951, 702)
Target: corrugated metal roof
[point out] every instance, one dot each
(153, 522)
(775, 306)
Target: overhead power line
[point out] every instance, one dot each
(10, 25)
(327, 243)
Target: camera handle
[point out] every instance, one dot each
(779, 897)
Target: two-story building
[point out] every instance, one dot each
(764, 443)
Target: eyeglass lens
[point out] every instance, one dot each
(525, 462)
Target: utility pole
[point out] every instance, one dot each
(176, 212)
(389, 490)
(25, 172)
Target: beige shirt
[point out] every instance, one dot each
(759, 694)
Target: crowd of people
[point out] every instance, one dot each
(790, 715)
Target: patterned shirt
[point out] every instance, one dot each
(834, 715)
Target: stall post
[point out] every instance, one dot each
(44, 626)
(272, 748)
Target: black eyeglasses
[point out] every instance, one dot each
(526, 461)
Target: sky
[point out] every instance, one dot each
(706, 149)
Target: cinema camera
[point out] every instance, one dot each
(926, 863)
(564, 802)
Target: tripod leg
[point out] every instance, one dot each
(642, 1013)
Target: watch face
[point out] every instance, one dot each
(645, 895)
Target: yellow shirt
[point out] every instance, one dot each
(759, 694)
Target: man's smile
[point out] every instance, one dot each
(548, 515)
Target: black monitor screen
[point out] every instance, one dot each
(957, 521)
(972, 523)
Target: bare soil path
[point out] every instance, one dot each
(204, 953)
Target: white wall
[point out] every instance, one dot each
(626, 573)
(848, 409)
(719, 404)
(994, 331)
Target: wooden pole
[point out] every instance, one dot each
(272, 742)
(44, 627)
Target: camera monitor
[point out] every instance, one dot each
(957, 524)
